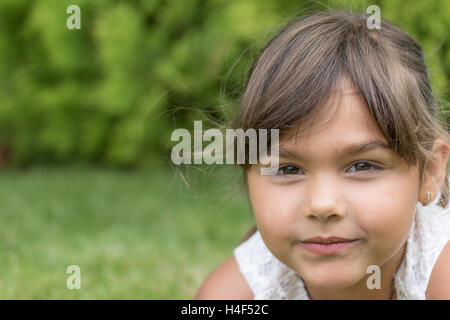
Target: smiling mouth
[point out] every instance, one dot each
(328, 246)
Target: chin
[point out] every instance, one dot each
(332, 278)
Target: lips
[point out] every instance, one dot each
(327, 240)
(328, 245)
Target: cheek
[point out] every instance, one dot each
(389, 215)
(274, 207)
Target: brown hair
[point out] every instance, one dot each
(298, 72)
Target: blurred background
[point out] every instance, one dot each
(85, 122)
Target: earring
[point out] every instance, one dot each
(428, 197)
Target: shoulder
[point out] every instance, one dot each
(225, 282)
(439, 283)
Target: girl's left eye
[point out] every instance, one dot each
(361, 166)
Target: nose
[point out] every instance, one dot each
(324, 200)
(324, 217)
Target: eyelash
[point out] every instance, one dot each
(374, 168)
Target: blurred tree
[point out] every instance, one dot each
(108, 93)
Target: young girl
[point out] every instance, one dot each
(359, 206)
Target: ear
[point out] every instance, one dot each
(435, 170)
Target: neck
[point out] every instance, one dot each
(360, 291)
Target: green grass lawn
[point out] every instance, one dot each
(134, 235)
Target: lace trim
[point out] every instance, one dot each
(428, 236)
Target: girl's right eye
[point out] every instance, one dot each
(288, 170)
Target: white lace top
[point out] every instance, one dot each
(270, 279)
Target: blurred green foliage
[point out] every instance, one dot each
(112, 92)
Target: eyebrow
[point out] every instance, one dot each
(346, 151)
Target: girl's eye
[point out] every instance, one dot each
(364, 166)
(288, 170)
(361, 166)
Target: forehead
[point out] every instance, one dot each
(344, 120)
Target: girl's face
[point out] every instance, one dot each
(323, 190)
